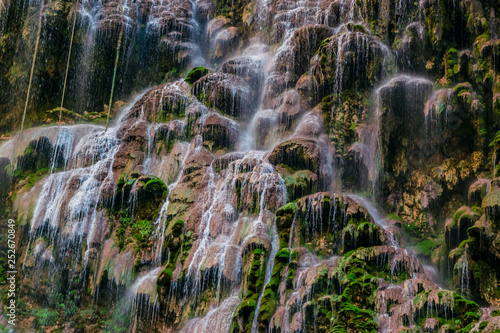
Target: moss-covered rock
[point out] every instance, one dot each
(226, 92)
(195, 74)
(299, 154)
(348, 60)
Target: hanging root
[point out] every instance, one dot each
(120, 37)
(31, 78)
(33, 64)
(64, 86)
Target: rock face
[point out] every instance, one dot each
(226, 92)
(358, 60)
(219, 132)
(277, 166)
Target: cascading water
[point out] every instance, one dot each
(213, 201)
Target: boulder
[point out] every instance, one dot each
(223, 43)
(219, 132)
(303, 45)
(298, 154)
(478, 190)
(226, 92)
(348, 60)
(290, 109)
(265, 127)
(250, 68)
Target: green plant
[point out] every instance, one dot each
(45, 317)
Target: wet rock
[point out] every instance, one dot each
(266, 125)
(38, 155)
(305, 88)
(388, 18)
(5, 179)
(226, 92)
(290, 109)
(402, 142)
(291, 15)
(310, 126)
(250, 68)
(478, 190)
(299, 154)
(489, 50)
(300, 183)
(491, 206)
(195, 166)
(303, 45)
(256, 269)
(166, 135)
(216, 25)
(195, 74)
(141, 195)
(456, 228)
(223, 42)
(348, 60)
(162, 103)
(328, 224)
(219, 133)
(410, 51)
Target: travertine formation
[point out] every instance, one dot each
(240, 186)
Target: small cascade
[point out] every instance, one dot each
(397, 99)
(68, 214)
(206, 218)
(117, 58)
(140, 301)
(145, 299)
(73, 213)
(464, 275)
(378, 218)
(437, 112)
(161, 222)
(216, 320)
(64, 85)
(245, 185)
(269, 270)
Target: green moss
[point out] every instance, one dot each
(142, 230)
(195, 74)
(458, 214)
(45, 317)
(393, 217)
(283, 255)
(426, 246)
(477, 210)
(177, 228)
(156, 185)
(167, 272)
(289, 207)
(255, 275)
(412, 230)
(358, 28)
(300, 183)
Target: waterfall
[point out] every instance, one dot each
(242, 189)
(378, 218)
(269, 269)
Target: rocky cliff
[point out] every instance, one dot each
(251, 165)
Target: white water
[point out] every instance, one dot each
(161, 221)
(218, 239)
(378, 218)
